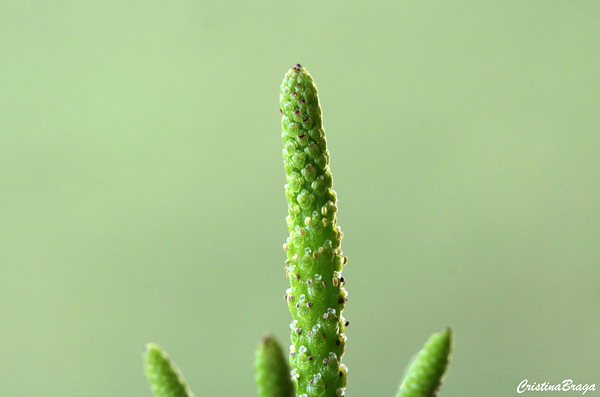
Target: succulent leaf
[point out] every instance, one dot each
(314, 262)
(272, 370)
(164, 376)
(425, 373)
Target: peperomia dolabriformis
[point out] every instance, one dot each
(316, 297)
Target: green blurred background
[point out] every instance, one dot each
(141, 188)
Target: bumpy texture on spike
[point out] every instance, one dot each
(164, 376)
(314, 263)
(272, 370)
(425, 374)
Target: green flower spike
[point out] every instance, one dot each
(425, 373)
(272, 370)
(164, 376)
(314, 262)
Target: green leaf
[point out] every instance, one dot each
(164, 376)
(425, 373)
(272, 370)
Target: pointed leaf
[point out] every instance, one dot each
(425, 374)
(164, 376)
(272, 371)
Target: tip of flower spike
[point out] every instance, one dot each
(267, 338)
(442, 340)
(149, 346)
(297, 67)
(152, 349)
(445, 334)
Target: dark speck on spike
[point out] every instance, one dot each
(347, 323)
(298, 65)
(310, 358)
(297, 111)
(309, 304)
